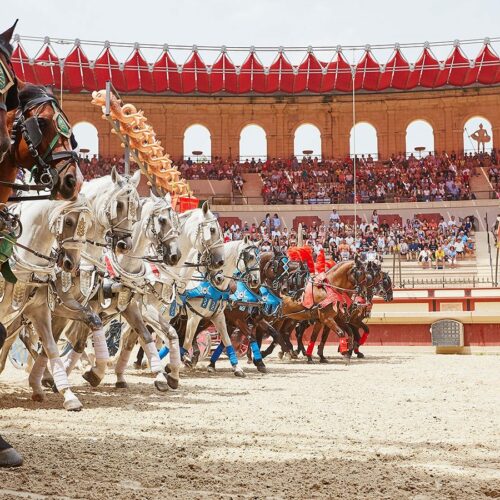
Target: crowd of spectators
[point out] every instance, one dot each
(399, 179)
(431, 243)
(312, 181)
(98, 166)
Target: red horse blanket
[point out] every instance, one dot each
(333, 296)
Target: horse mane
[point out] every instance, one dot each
(337, 266)
(29, 92)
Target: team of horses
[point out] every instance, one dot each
(77, 255)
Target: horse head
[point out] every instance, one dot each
(162, 229)
(42, 137)
(8, 88)
(69, 223)
(247, 264)
(115, 202)
(384, 288)
(205, 236)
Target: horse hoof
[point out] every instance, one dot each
(240, 373)
(211, 369)
(323, 360)
(360, 355)
(10, 458)
(167, 369)
(121, 385)
(294, 355)
(73, 405)
(280, 355)
(91, 378)
(188, 363)
(137, 366)
(262, 368)
(39, 397)
(173, 383)
(48, 382)
(161, 386)
(310, 361)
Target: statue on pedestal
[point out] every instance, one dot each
(481, 137)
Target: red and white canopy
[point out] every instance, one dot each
(312, 75)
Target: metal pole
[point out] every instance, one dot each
(496, 267)
(394, 267)
(353, 71)
(399, 261)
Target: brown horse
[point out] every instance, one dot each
(42, 143)
(9, 457)
(347, 279)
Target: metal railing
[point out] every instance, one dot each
(342, 199)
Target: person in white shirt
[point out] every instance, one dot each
(334, 216)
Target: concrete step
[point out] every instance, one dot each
(480, 184)
(253, 187)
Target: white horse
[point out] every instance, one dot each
(207, 297)
(114, 202)
(47, 224)
(201, 238)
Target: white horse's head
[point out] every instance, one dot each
(69, 223)
(205, 235)
(115, 203)
(160, 224)
(248, 263)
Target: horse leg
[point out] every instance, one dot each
(127, 342)
(215, 356)
(219, 322)
(40, 317)
(312, 342)
(140, 357)
(299, 333)
(168, 332)
(361, 339)
(191, 327)
(133, 316)
(247, 327)
(321, 347)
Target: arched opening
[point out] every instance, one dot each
(197, 143)
(88, 139)
(363, 140)
(253, 143)
(419, 134)
(478, 135)
(307, 138)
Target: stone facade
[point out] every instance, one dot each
(390, 113)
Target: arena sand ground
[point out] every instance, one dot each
(401, 425)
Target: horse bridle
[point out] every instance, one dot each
(8, 82)
(274, 265)
(46, 176)
(246, 256)
(205, 257)
(171, 234)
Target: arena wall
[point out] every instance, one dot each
(446, 110)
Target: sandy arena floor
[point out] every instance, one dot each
(391, 426)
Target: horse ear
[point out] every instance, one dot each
(136, 178)
(115, 176)
(246, 239)
(205, 207)
(6, 36)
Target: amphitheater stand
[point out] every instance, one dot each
(480, 185)
(252, 188)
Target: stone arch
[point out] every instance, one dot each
(197, 137)
(363, 139)
(253, 142)
(87, 136)
(307, 136)
(419, 133)
(470, 126)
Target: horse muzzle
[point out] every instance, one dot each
(171, 254)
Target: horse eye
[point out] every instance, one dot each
(162, 220)
(69, 222)
(212, 230)
(119, 205)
